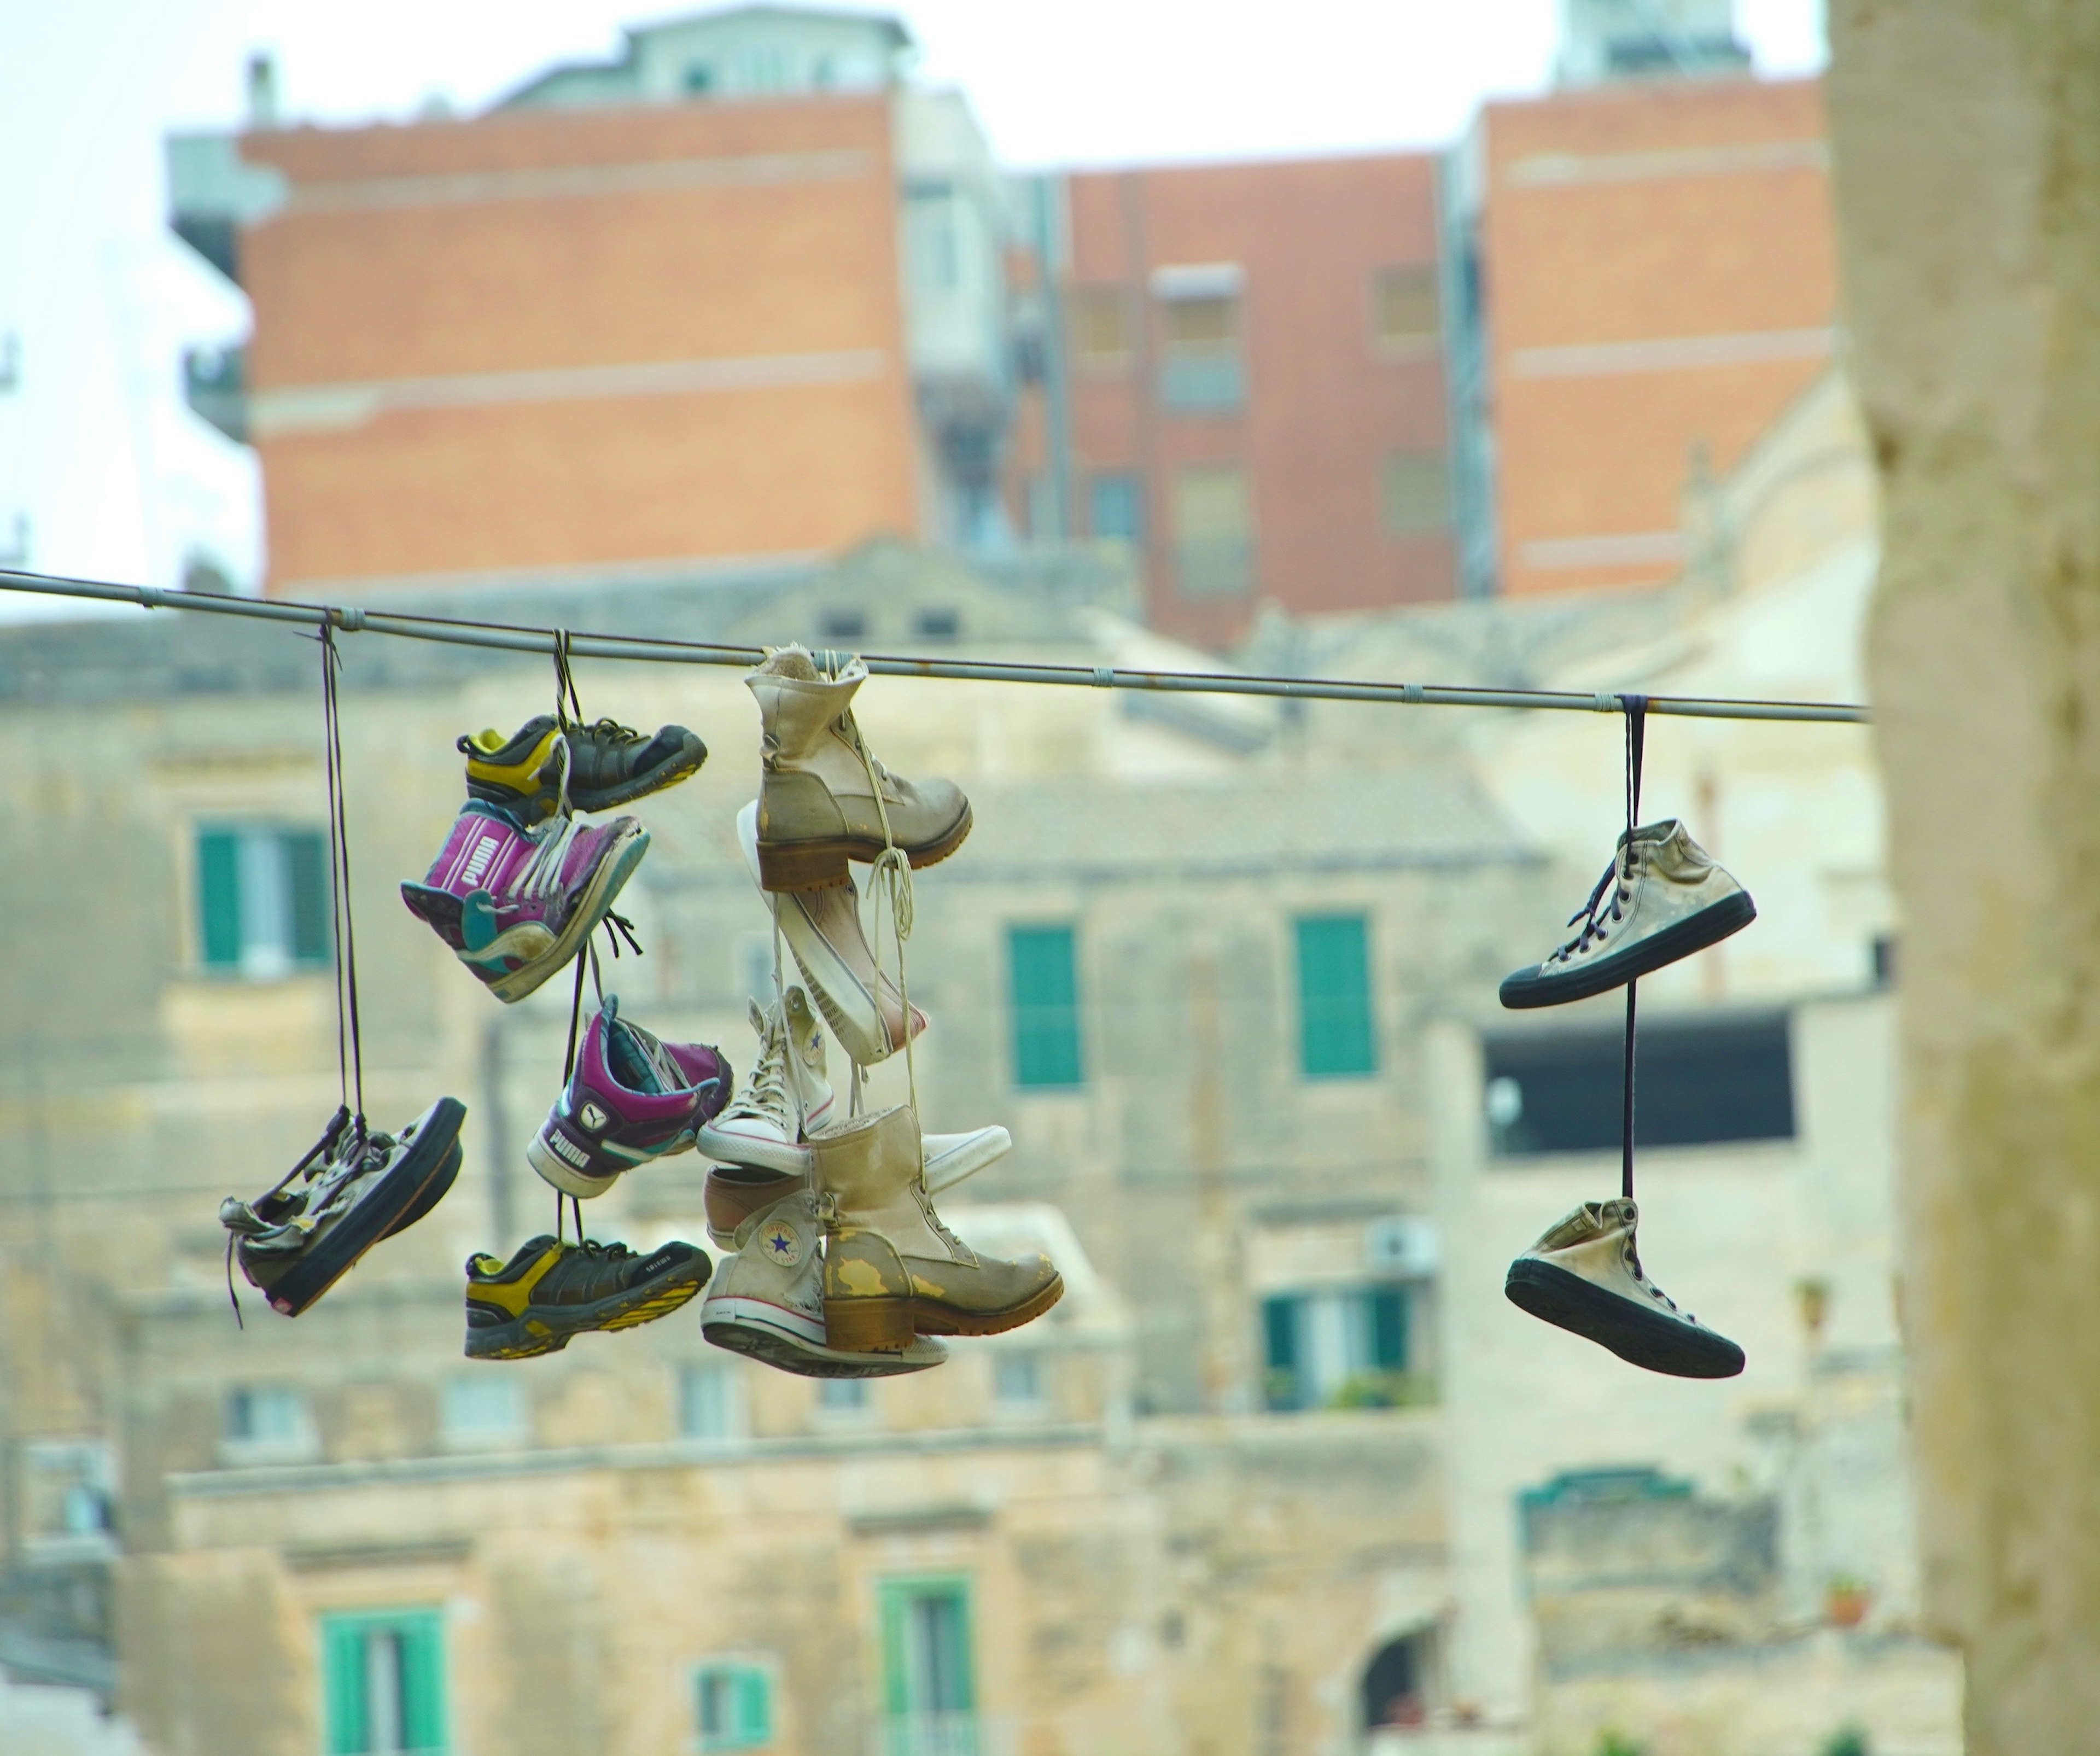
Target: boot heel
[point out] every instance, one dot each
(868, 1325)
(817, 867)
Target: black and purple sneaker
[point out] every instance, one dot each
(632, 1099)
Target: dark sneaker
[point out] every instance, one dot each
(1584, 1277)
(1661, 898)
(551, 1291)
(514, 904)
(544, 771)
(633, 1098)
(349, 1192)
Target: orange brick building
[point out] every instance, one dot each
(1250, 368)
(1658, 276)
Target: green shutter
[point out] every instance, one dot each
(1388, 1327)
(1279, 1324)
(754, 1707)
(422, 1681)
(306, 876)
(219, 897)
(1336, 1035)
(894, 1601)
(1046, 1006)
(342, 1685)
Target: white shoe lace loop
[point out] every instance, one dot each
(541, 875)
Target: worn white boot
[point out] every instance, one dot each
(1584, 1276)
(767, 1300)
(824, 799)
(822, 928)
(1661, 898)
(891, 1269)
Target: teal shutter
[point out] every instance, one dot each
(1388, 1327)
(343, 1685)
(754, 1708)
(1336, 1034)
(1046, 1006)
(422, 1649)
(306, 876)
(218, 897)
(1279, 1324)
(894, 1601)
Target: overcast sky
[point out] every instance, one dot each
(116, 480)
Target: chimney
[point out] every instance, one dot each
(262, 92)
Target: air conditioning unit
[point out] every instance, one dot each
(1403, 1247)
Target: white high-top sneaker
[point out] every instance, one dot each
(1584, 1277)
(787, 1097)
(824, 799)
(822, 928)
(767, 1300)
(1661, 898)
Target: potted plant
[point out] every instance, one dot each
(1845, 1600)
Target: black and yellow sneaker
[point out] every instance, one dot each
(600, 765)
(552, 1290)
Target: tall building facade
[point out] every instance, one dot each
(1243, 380)
(736, 296)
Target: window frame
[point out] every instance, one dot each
(345, 1711)
(893, 1598)
(740, 1672)
(1322, 1055)
(1398, 343)
(222, 855)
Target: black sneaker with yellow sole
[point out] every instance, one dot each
(594, 767)
(551, 1289)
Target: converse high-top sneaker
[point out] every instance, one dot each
(767, 1299)
(822, 928)
(1661, 898)
(891, 1269)
(818, 804)
(788, 1095)
(1584, 1276)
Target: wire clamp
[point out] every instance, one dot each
(152, 598)
(350, 620)
(1103, 677)
(1412, 692)
(1608, 702)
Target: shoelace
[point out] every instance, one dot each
(1593, 915)
(765, 1098)
(541, 875)
(1649, 1287)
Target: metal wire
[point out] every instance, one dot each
(513, 638)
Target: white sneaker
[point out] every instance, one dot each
(822, 928)
(767, 1300)
(787, 1097)
(738, 1189)
(1584, 1276)
(1661, 898)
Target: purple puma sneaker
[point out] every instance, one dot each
(516, 904)
(633, 1098)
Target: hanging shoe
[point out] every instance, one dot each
(551, 1289)
(1661, 898)
(351, 1190)
(788, 1096)
(515, 905)
(594, 768)
(1584, 1276)
(735, 1192)
(632, 1099)
(817, 803)
(822, 928)
(768, 1300)
(892, 1269)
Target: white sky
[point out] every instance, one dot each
(117, 480)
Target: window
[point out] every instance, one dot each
(267, 1423)
(1213, 532)
(1101, 328)
(734, 1704)
(67, 1494)
(1199, 323)
(1016, 1381)
(1115, 508)
(1404, 307)
(1394, 1692)
(1418, 493)
(930, 1692)
(937, 625)
(839, 624)
(699, 78)
(1700, 1082)
(262, 900)
(842, 1396)
(710, 1401)
(384, 1683)
(936, 249)
(1337, 1035)
(1343, 1347)
(1046, 1006)
(482, 1409)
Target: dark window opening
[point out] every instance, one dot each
(843, 624)
(1698, 1083)
(937, 625)
(1394, 1684)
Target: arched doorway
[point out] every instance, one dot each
(1395, 1684)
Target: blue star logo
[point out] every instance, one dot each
(780, 1243)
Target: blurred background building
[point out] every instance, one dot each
(743, 332)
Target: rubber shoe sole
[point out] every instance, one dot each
(396, 1202)
(888, 1325)
(1646, 1339)
(822, 865)
(547, 1329)
(766, 1332)
(1528, 988)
